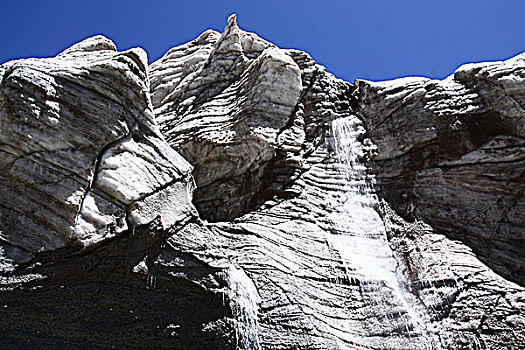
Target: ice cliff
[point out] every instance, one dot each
(236, 195)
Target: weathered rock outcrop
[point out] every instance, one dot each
(82, 160)
(102, 246)
(452, 153)
(222, 101)
(89, 189)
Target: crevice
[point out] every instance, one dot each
(452, 166)
(5, 241)
(264, 192)
(157, 190)
(94, 174)
(302, 96)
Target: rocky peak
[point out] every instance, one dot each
(251, 124)
(230, 40)
(91, 44)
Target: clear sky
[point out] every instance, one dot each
(369, 39)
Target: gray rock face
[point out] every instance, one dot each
(328, 215)
(82, 159)
(452, 153)
(89, 189)
(222, 101)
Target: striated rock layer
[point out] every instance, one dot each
(105, 241)
(89, 189)
(452, 154)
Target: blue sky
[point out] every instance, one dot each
(369, 39)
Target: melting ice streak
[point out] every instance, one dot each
(363, 244)
(243, 302)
